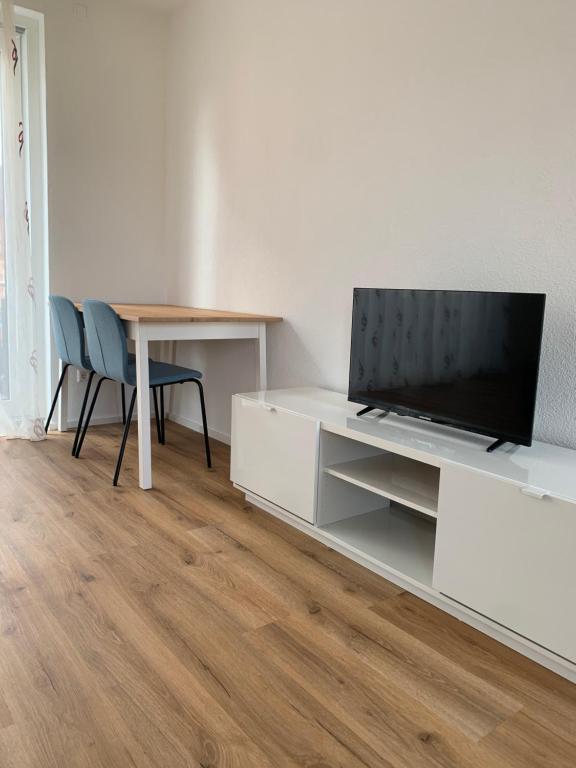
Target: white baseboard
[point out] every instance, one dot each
(95, 420)
(196, 426)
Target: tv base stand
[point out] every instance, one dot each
(495, 446)
(370, 408)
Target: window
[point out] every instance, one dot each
(23, 214)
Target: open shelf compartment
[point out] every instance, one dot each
(409, 482)
(393, 537)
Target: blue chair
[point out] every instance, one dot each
(109, 356)
(68, 330)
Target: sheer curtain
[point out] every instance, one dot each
(20, 395)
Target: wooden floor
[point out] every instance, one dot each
(182, 627)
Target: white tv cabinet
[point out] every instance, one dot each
(489, 538)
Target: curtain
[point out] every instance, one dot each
(20, 406)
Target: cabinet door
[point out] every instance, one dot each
(275, 455)
(509, 555)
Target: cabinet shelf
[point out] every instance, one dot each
(406, 481)
(393, 537)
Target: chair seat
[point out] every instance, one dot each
(163, 374)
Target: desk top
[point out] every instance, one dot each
(169, 313)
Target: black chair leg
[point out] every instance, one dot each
(82, 412)
(124, 438)
(157, 415)
(87, 422)
(162, 416)
(123, 391)
(58, 388)
(204, 423)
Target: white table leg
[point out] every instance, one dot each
(63, 399)
(262, 368)
(143, 403)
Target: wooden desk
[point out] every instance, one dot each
(164, 322)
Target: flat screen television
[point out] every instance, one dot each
(468, 359)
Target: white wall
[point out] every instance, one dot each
(106, 153)
(316, 145)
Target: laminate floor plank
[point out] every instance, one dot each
(278, 715)
(407, 736)
(184, 628)
(548, 698)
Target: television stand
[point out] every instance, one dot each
(495, 446)
(487, 537)
(370, 408)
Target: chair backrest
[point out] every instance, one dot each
(68, 329)
(106, 339)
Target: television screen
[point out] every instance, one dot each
(465, 358)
